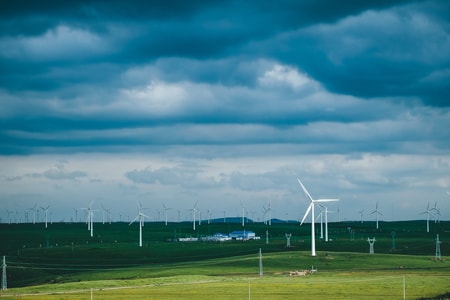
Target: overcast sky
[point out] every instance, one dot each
(224, 102)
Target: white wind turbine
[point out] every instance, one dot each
(90, 218)
(243, 213)
(76, 214)
(45, 209)
(320, 215)
(139, 217)
(428, 212)
(108, 215)
(265, 215)
(326, 222)
(311, 208)
(194, 212)
(166, 209)
(437, 214)
(104, 214)
(208, 214)
(376, 212)
(269, 210)
(9, 212)
(361, 212)
(34, 209)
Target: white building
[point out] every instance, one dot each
(243, 235)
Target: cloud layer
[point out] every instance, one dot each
(222, 102)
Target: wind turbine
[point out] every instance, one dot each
(361, 212)
(326, 223)
(76, 214)
(311, 209)
(9, 212)
(33, 209)
(104, 212)
(165, 211)
(90, 218)
(45, 209)
(194, 212)
(209, 216)
(269, 210)
(437, 212)
(139, 217)
(428, 212)
(243, 213)
(320, 215)
(108, 215)
(265, 215)
(376, 212)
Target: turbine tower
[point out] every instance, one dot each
(326, 223)
(34, 209)
(437, 213)
(320, 215)
(428, 212)
(376, 212)
(139, 217)
(76, 214)
(45, 209)
(194, 212)
(243, 213)
(90, 218)
(311, 209)
(361, 212)
(165, 212)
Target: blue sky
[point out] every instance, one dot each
(224, 102)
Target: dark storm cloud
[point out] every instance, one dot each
(377, 53)
(113, 73)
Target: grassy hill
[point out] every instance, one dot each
(65, 253)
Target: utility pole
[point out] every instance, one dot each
(260, 263)
(4, 284)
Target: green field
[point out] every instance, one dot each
(64, 262)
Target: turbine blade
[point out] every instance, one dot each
(326, 200)
(306, 213)
(318, 216)
(305, 190)
(134, 220)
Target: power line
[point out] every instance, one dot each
(4, 283)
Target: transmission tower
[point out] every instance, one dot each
(438, 248)
(4, 285)
(288, 239)
(371, 242)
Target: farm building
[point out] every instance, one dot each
(217, 237)
(243, 235)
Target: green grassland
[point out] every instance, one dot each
(64, 262)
